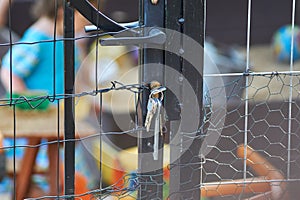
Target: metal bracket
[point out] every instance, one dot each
(155, 36)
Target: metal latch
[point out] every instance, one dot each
(155, 36)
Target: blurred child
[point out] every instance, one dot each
(38, 58)
(33, 63)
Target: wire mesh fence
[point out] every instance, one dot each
(264, 150)
(244, 143)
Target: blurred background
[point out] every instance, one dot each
(226, 20)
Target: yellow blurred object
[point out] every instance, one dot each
(122, 101)
(1, 143)
(109, 154)
(113, 63)
(82, 107)
(116, 163)
(131, 154)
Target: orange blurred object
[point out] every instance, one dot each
(261, 184)
(80, 185)
(234, 187)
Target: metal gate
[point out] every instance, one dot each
(204, 120)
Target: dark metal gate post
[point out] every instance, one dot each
(69, 147)
(186, 17)
(150, 170)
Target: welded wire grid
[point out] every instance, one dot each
(257, 152)
(10, 105)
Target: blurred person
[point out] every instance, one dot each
(34, 57)
(32, 64)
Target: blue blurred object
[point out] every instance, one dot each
(281, 43)
(6, 185)
(133, 181)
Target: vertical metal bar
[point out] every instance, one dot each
(152, 60)
(247, 90)
(69, 148)
(54, 49)
(58, 142)
(100, 139)
(246, 126)
(193, 13)
(173, 98)
(187, 17)
(14, 153)
(288, 173)
(10, 100)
